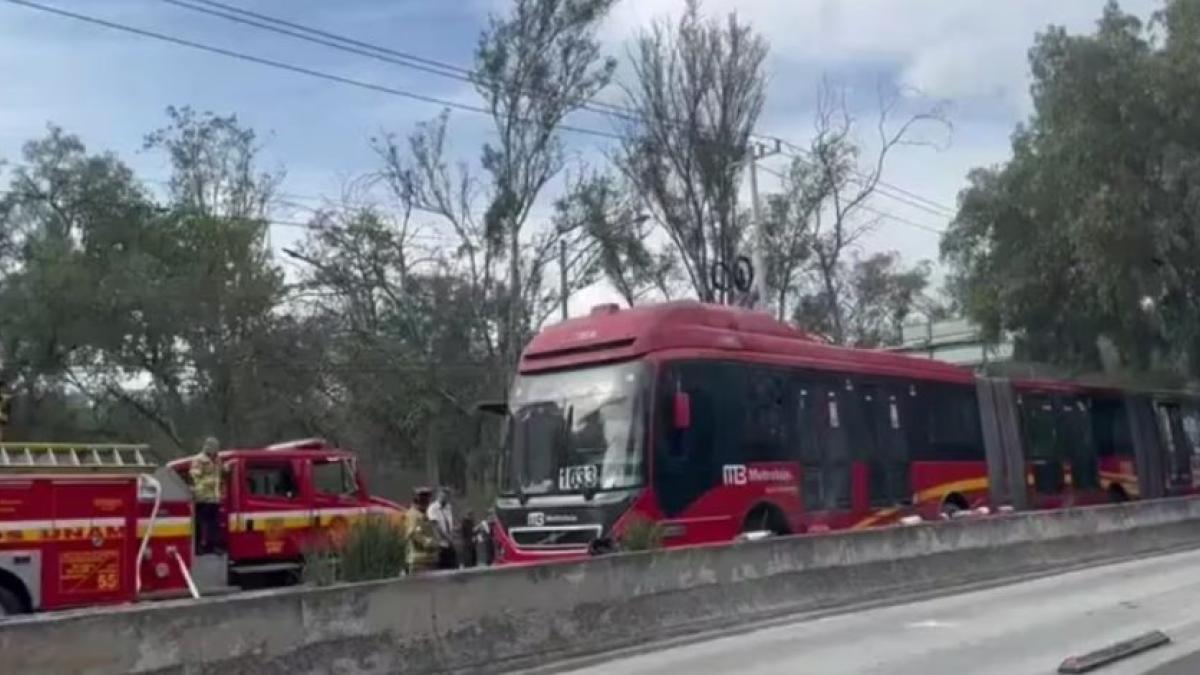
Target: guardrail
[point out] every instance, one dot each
(489, 620)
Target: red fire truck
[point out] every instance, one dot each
(102, 524)
(714, 422)
(276, 500)
(89, 524)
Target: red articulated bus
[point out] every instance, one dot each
(715, 421)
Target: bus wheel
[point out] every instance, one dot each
(766, 518)
(953, 504)
(1117, 494)
(10, 604)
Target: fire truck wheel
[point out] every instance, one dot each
(10, 604)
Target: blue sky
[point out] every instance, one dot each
(112, 88)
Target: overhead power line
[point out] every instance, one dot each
(368, 49)
(927, 204)
(450, 70)
(402, 58)
(281, 65)
(867, 207)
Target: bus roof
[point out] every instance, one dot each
(612, 334)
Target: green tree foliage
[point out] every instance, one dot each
(877, 294)
(1087, 237)
(161, 309)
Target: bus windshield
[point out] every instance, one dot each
(576, 431)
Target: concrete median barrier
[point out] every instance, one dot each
(490, 620)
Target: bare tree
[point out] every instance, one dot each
(788, 222)
(616, 238)
(698, 91)
(214, 159)
(533, 68)
(832, 168)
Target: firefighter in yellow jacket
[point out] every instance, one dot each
(205, 473)
(419, 533)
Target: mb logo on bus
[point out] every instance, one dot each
(735, 474)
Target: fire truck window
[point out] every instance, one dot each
(271, 480)
(333, 478)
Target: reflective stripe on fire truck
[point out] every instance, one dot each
(167, 527)
(68, 529)
(300, 519)
(61, 529)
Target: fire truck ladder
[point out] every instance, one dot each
(74, 457)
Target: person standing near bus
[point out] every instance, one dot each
(205, 473)
(419, 533)
(442, 516)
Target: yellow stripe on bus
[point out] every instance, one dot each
(935, 493)
(939, 492)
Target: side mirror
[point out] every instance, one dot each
(682, 412)
(493, 407)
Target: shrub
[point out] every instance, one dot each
(642, 535)
(371, 548)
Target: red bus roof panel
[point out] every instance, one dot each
(607, 335)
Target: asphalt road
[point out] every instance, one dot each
(1026, 627)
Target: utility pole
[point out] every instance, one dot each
(562, 276)
(758, 294)
(755, 152)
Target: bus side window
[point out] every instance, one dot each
(819, 431)
(1043, 450)
(953, 432)
(1078, 446)
(686, 463)
(767, 431)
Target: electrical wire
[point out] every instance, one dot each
(938, 209)
(382, 88)
(870, 209)
(371, 50)
(281, 65)
(445, 69)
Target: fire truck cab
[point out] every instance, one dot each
(278, 500)
(90, 524)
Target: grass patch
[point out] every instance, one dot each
(642, 535)
(371, 548)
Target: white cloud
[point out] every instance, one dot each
(947, 48)
(970, 53)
